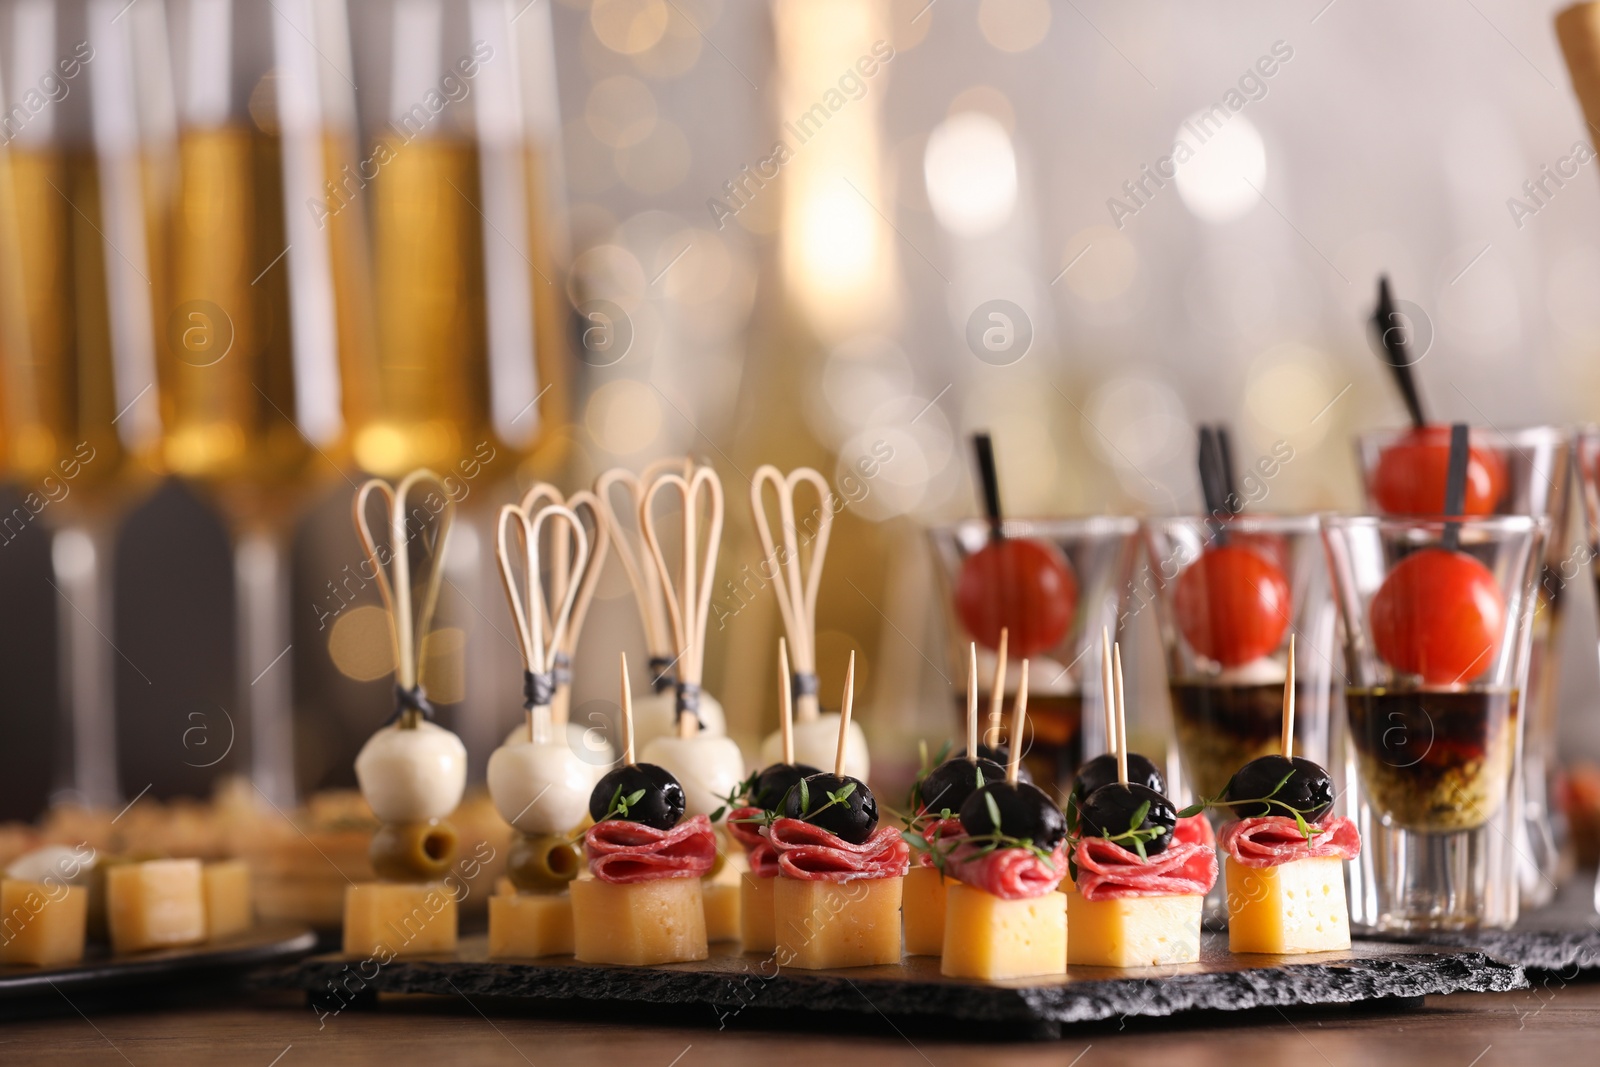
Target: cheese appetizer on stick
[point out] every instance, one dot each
(411, 772)
(836, 901)
(1286, 853)
(643, 906)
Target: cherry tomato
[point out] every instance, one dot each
(1439, 614)
(1410, 476)
(1026, 587)
(1233, 605)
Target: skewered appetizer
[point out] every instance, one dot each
(538, 783)
(1286, 853)
(1140, 875)
(644, 904)
(1003, 918)
(836, 901)
(411, 772)
(656, 713)
(936, 803)
(815, 733)
(761, 798)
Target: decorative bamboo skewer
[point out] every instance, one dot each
(1019, 723)
(972, 703)
(587, 578)
(1288, 705)
(634, 555)
(797, 584)
(1122, 717)
(844, 716)
(627, 714)
(997, 696)
(529, 611)
(688, 601)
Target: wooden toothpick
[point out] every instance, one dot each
(844, 716)
(1122, 717)
(997, 698)
(1019, 725)
(785, 702)
(972, 703)
(627, 714)
(1288, 705)
(1109, 684)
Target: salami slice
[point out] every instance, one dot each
(622, 852)
(1107, 871)
(1196, 829)
(1008, 873)
(1276, 839)
(745, 826)
(935, 831)
(809, 852)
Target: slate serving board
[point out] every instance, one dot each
(1563, 937)
(729, 982)
(265, 943)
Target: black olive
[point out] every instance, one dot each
(1308, 790)
(1025, 811)
(774, 783)
(660, 806)
(1000, 755)
(949, 785)
(1109, 812)
(1102, 770)
(853, 818)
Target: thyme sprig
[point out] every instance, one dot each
(621, 805)
(738, 797)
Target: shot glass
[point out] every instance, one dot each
(1520, 472)
(1437, 642)
(1586, 446)
(1228, 594)
(1066, 711)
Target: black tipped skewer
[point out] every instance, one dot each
(989, 483)
(1455, 485)
(1393, 334)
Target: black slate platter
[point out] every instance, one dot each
(1563, 937)
(265, 943)
(729, 982)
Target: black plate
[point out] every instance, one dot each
(1563, 937)
(265, 943)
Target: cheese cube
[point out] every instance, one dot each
(530, 924)
(986, 937)
(503, 887)
(227, 890)
(389, 919)
(1133, 931)
(822, 925)
(755, 913)
(1294, 907)
(638, 925)
(42, 923)
(721, 901)
(924, 906)
(155, 904)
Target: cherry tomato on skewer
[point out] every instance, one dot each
(1409, 478)
(1439, 614)
(1024, 586)
(1233, 605)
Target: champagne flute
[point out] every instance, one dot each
(75, 350)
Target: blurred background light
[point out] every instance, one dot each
(1220, 182)
(971, 171)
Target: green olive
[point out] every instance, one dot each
(412, 851)
(542, 862)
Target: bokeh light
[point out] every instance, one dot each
(1220, 182)
(1014, 25)
(971, 171)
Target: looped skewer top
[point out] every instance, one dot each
(796, 591)
(406, 634)
(541, 631)
(634, 555)
(688, 600)
(565, 573)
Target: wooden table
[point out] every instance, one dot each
(1554, 1023)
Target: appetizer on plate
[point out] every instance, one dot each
(644, 904)
(1286, 852)
(412, 772)
(1140, 876)
(836, 901)
(1003, 917)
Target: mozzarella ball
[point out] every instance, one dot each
(588, 743)
(412, 775)
(817, 743)
(656, 715)
(708, 768)
(540, 789)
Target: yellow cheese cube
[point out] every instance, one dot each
(503, 887)
(822, 925)
(638, 925)
(388, 919)
(924, 905)
(530, 924)
(1294, 907)
(986, 937)
(755, 913)
(1133, 931)
(721, 901)
(42, 923)
(227, 891)
(156, 904)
